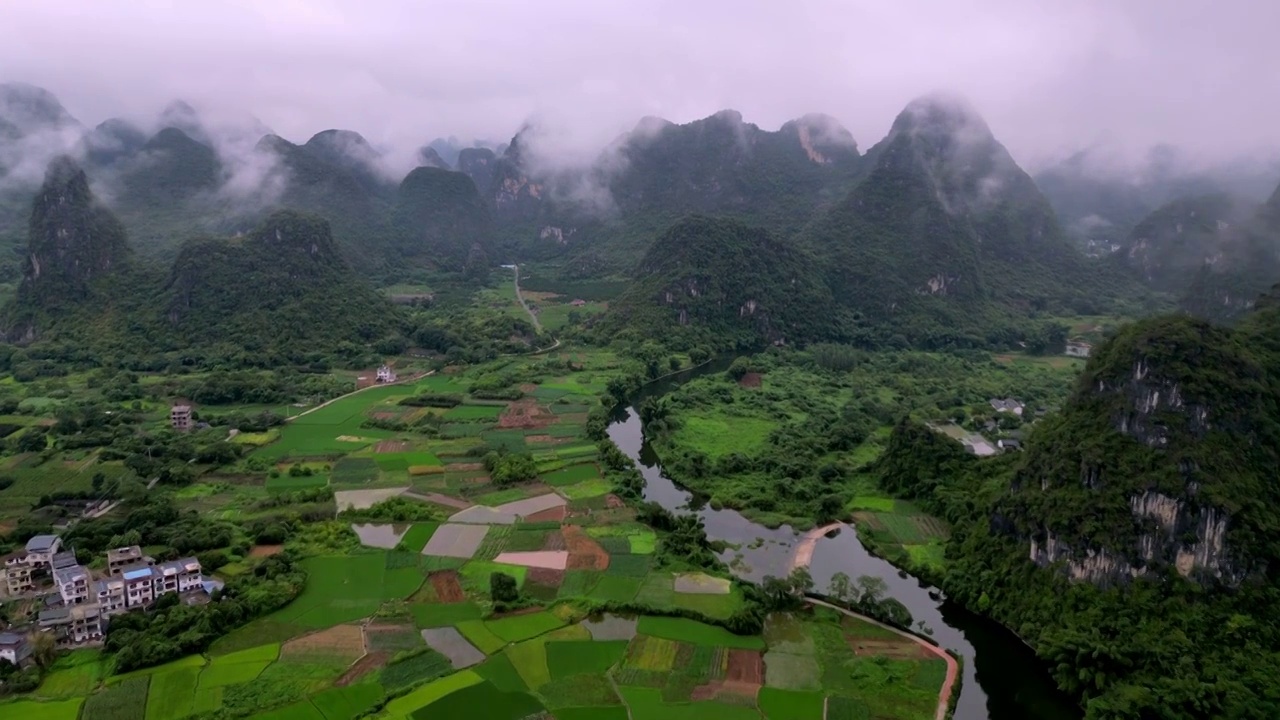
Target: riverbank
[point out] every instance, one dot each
(1013, 684)
(953, 667)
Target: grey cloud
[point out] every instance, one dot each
(1048, 77)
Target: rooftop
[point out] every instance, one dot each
(67, 575)
(42, 543)
(138, 572)
(124, 553)
(65, 559)
(73, 612)
(11, 638)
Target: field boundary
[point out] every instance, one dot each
(953, 668)
(330, 401)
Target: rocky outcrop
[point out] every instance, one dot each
(1162, 464)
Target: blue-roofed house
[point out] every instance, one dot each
(42, 548)
(139, 585)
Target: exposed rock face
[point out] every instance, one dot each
(1162, 463)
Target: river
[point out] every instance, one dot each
(1002, 678)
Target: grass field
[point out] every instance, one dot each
(500, 671)
(418, 535)
(530, 661)
(54, 710)
(697, 633)
(478, 633)
(716, 433)
(345, 588)
(123, 701)
(791, 705)
(523, 627)
(481, 700)
(571, 475)
(579, 657)
(172, 694)
(346, 703)
(442, 615)
(405, 705)
(238, 667)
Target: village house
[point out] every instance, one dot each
(14, 647)
(18, 574)
(139, 585)
(386, 374)
(180, 417)
(64, 559)
(1008, 405)
(143, 583)
(121, 558)
(72, 584)
(110, 595)
(1009, 444)
(73, 624)
(1078, 349)
(181, 576)
(42, 548)
(578, 303)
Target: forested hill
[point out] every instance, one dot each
(604, 217)
(73, 242)
(1171, 244)
(718, 282)
(945, 234)
(441, 221)
(1135, 543)
(283, 283)
(1244, 263)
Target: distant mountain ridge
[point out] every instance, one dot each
(285, 282)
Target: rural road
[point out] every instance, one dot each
(953, 667)
(536, 325)
(330, 401)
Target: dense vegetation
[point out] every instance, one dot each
(814, 417)
(719, 282)
(1153, 517)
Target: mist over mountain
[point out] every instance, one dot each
(1100, 195)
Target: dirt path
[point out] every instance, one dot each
(803, 554)
(953, 667)
(330, 401)
(536, 325)
(438, 499)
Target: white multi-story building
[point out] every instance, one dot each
(182, 576)
(121, 558)
(143, 584)
(73, 624)
(110, 595)
(42, 548)
(139, 585)
(73, 584)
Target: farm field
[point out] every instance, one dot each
(403, 533)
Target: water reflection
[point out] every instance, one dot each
(1002, 679)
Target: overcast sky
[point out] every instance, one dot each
(1048, 75)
